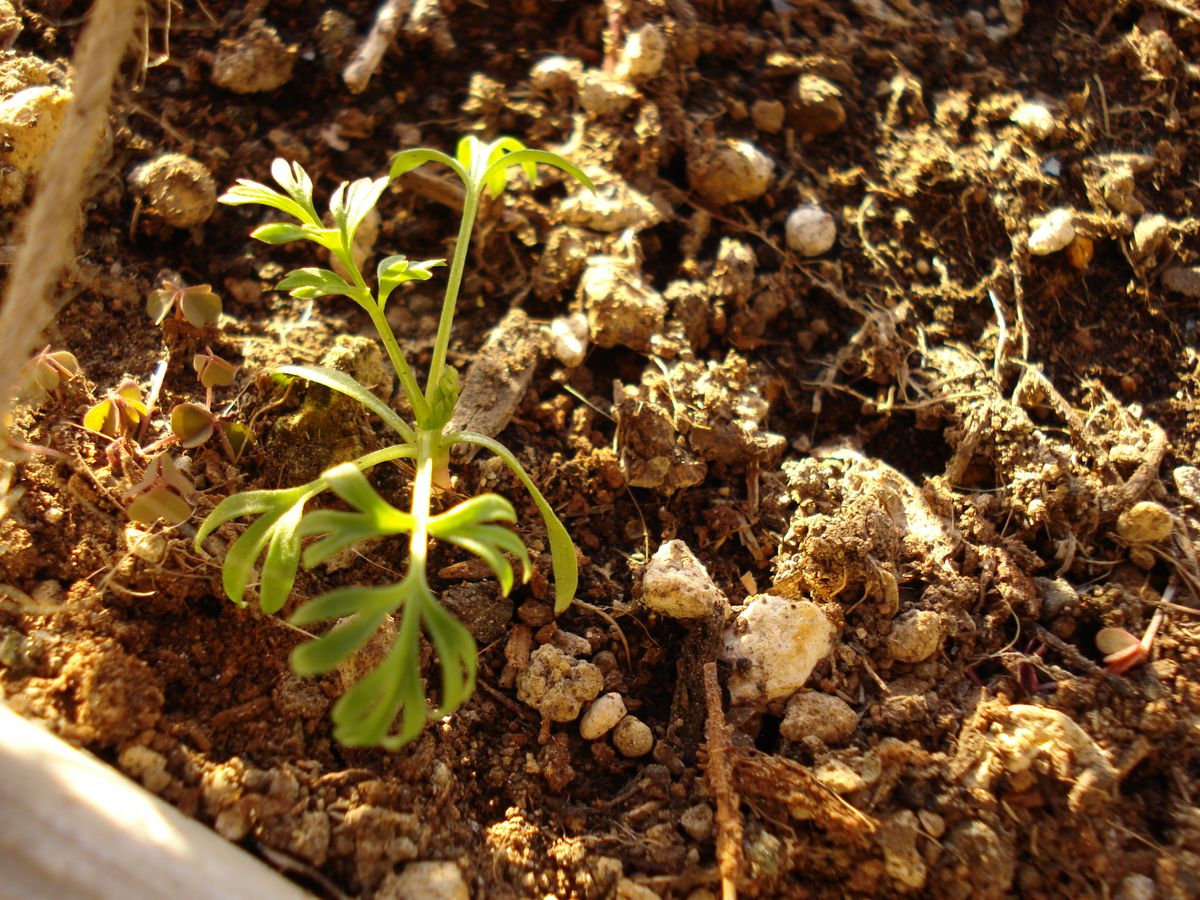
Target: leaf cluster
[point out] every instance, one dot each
(284, 536)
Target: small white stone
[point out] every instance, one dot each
(256, 61)
(633, 737)
(915, 636)
(730, 172)
(697, 821)
(814, 714)
(1187, 482)
(1145, 522)
(601, 94)
(1149, 233)
(148, 546)
(1137, 887)
(557, 685)
(1052, 232)
(811, 230)
(425, 880)
(773, 646)
(29, 123)
(1035, 119)
(555, 73)
(569, 339)
(628, 889)
(621, 308)
(176, 188)
(643, 54)
(146, 765)
(602, 716)
(676, 584)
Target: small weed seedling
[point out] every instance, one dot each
(366, 712)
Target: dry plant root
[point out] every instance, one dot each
(717, 771)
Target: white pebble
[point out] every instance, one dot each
(1148, 234)
(676, 584)
(602, 716)
(915, 636)
(811, 230)
(731, 171)
(643, 54)
(557, 685)
(29, 123)
(176, 188)
(425, 880)
(569, 339)
(773, 645)
(555, 73)
(633, 737)
(813, 714)
(1035, 119)
(697, 821)
(1145, 522)
(601, 94)
(621, 308)
(1052, 232)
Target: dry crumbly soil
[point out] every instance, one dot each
(926, 430)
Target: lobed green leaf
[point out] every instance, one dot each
(562, 550)
(344, 384)
(407, 160)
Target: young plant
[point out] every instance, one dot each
(365, 714)
(162, 493)
(119, 413)
(197, 305)
(193, 424)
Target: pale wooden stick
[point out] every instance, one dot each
(368, 56)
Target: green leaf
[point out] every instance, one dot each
(192, 424)
(475, 511)
(160, 503)
(525, 158)
(351, 203)
(103, 419)
(456, 652)
(467, 525)
(212, 371)
(251, 192)
(280, 233)
(443, 399)
(295, 181)
(375, 518)
(159, 305)
(562, 550)
(278, 514)
(393, 271)
(344, 384)
(311, 282)
(200, 306)
(336, 645)
(407, 160)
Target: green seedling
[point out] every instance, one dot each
(194, 424)
(48, 369)
(197, 305)
(119, 413)
(162, 493)
(366, 713)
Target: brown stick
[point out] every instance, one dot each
(368, 56)
(729, 816)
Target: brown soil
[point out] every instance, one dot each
(927, 369)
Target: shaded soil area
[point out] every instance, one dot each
(890, 313)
